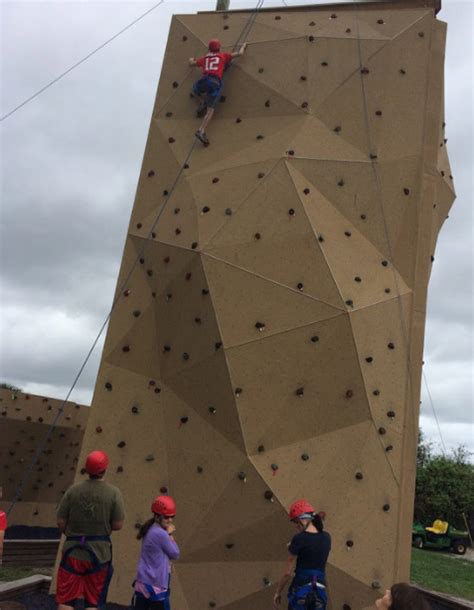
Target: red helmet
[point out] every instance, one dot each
(97, 462)
(164, 505)
(300, 507)
(214, 45)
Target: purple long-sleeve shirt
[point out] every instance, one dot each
(154, 564)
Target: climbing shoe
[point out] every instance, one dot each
(201, 136)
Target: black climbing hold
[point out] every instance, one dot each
(349, 394)
(226, 27)
(150, 458)
(382, 431)
(421, 34)
(346, 607)
(137, 313)
(306, 191)
(277, 17)
(198, 320)
(321, 238)
(166, 348)
(238, 391)
(314, 339)
(134, 410)
(390, 345)
(337, 129)
(229, 545)
(164, 489)
(238, 120)
(215, 180)
(121, 445)
(217, 345)
(177, 231)
(385, 263)
(380, 21)
(169, 114)
(166, 259)
(212, 604)
(153, 235)
(402, 71)
(324, 64)
(432, 258)
(242, 476)
(376, 584)
(378, 113)
(304, 457)
(364, 71)
(185, 356)
(177, 210)
(175, 85)
(303, 78)
(373, 156)
(387, 290)
(357, 279)
(260, 137)
(139, 225)
(199, 469)
(389, 448)
(268, 495)
(108, 386)
(260, 175)
(391, 414)
(311, 23)
(311, 38)
(157, 390)
(228, 212)
(151, 173)
(204, 291)
(266, 582)
(184, 38)
(369, 359)
(359, 476)
(341, 182)
(205, 209)
(212, 410)
(274, 467)
(168, 297)
(349, 543)
(98, 429)
(376, 392)
(142, 261)
(261, 448)
(194, 245)
(267, 104)
(348, 30)
(222, 99)
(171, 140)
(304, 105)
(406, 191)
(350, 303)
(260, 326)
(188, 276)
(299, 392)
(149, 272)
(347, 233)
(386, 507)
(300, 287)
(291, 212)
(333, 16)
(183, 420)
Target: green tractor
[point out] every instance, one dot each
(440, 535)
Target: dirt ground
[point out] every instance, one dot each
(43, 601)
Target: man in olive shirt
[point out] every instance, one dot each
(87, 514)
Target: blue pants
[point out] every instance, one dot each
(304, 592)
(211, 87)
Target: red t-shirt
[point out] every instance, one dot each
(214, 64)
(3, 521)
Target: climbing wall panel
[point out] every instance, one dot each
(25, 421)
(266, 342)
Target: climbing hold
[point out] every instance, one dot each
(376, 584)
(204, 291)
(188, 276)
(108, 386)
(299, 392)
(185, 356)
(306, 191)
(268, 495)
(380, 21)
(205, 209)
(184, 420)
(168, 297)
(291, 212)
(359, 476)
(321, 238)
(391, 345)
(126, 348)
(274, 467)
(382, 431)
(385, 263)
(350, 303)
(184, 38)
(150, 458)
(357, 279)
(421, 34)
(151, 173)
(242, 476)
(333, 16)
(166, 259)
(391, 414)
(260, 175)
(171, 140)
(153, 234)
(137, 313)
(302, 78)
(175, 85)
(314, 339)
(228, 212)
(349, 394)
(267, 104)
(389, 448)
(260, 137)
(406, 191)
(300, 287)
(238, 120)
(177, 231)
(194, 245)
(376, 392)
(165, 193)
(163, 490)
(261, 448)
(139, 225)
(212, 410)
(402, 71)
(304, 105)
(217, 345)
(387, 291)
(347, 233)
(166, 348)
(304, 457)
(324, 64)
(98, 429)
(260, 326)
(215, 180)
(386, 507)
(341, 182)
(121, 444)
(311, 23)
(134, 410)
(291, 153)
(199, 469)
(349, 543)
(277, 17)
(369, 359)
(226, 27)
(177, 210)
(169, 114)
(212, 604)
(149, 272)
(197, 320)
(238, 391)
(337, 129)
(311, 38)
(364, 71)
(373, 156)
(266, 582)
(186, 166)
(229, 545)
(378, 113)
(257, 236)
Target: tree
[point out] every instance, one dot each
(444, 485)
(9, 386)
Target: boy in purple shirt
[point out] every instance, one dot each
(152, 583)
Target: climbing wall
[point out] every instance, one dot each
(268, 343)
(25, 420)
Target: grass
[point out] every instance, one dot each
(443, 572)
(9, 573)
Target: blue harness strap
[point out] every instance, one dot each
(84, 546)
(308, 591)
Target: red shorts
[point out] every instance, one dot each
(90, 587)
(3, 521)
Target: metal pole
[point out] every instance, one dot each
(222, 5)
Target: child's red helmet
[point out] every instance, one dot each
(164, 505)
(97, 462)
(214, 45)
(300, 507)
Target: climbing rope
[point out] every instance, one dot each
(119, 293)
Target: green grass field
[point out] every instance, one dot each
(443, 572)
(9, 573)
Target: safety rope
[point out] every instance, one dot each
(29, 469)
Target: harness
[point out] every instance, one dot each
(310, 594)
(84, 546)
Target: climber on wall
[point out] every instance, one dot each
(402, 597)
(209, 87)
(309, 550)
(3, 527)
(88, 512)
(152, 584)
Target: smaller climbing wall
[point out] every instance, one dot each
(25, 420)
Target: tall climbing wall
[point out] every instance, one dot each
(268, 343)
(25, 420)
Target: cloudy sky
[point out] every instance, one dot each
(70, 163)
